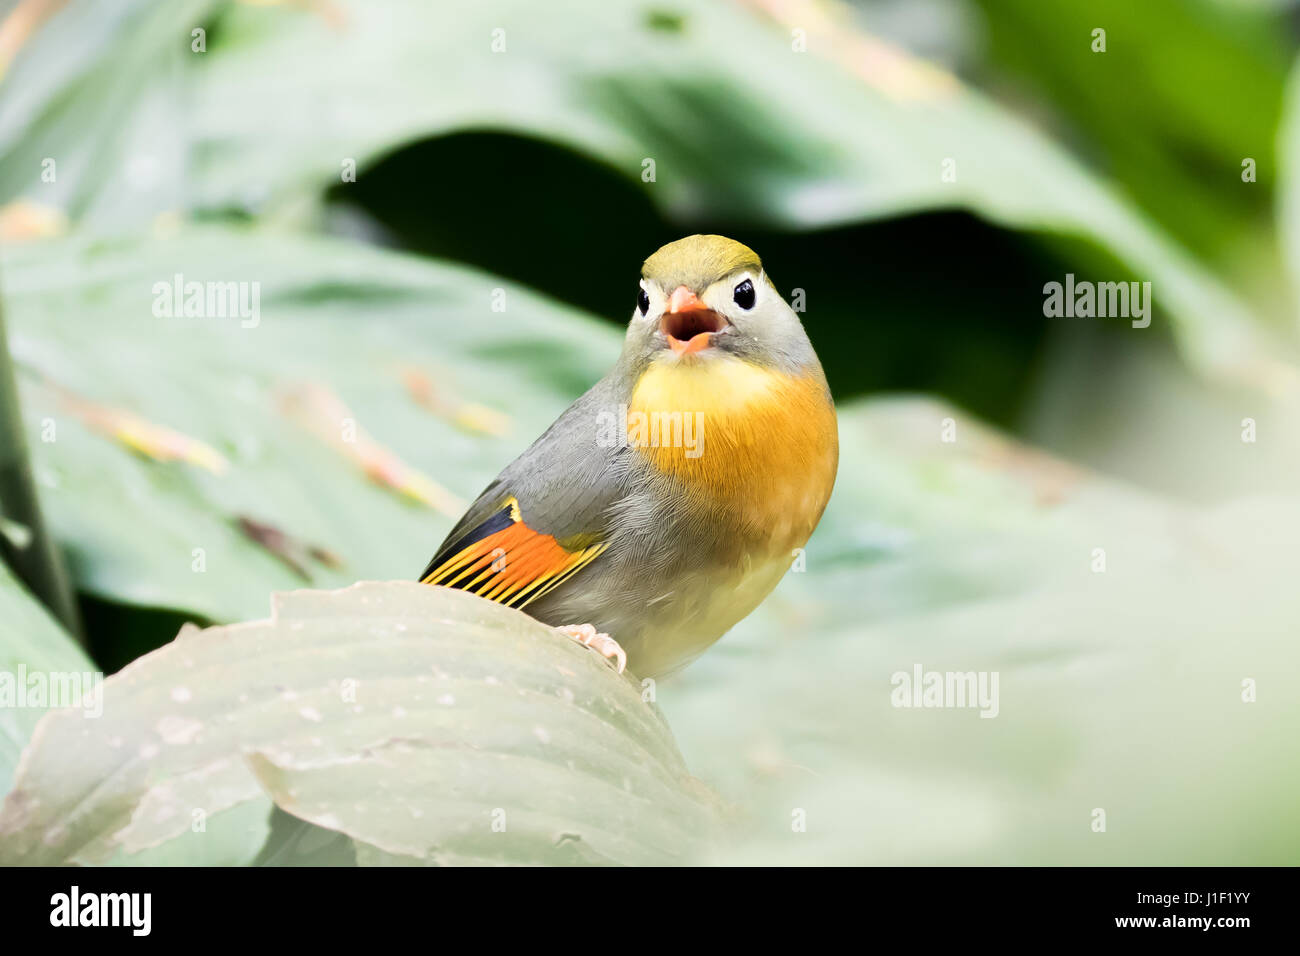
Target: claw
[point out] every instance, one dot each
(602, 644)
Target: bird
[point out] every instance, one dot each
(669, 500)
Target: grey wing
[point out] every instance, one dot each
(563, 483)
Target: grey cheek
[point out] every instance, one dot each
(734, 343)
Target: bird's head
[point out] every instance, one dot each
(707, 298)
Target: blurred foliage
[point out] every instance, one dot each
(1184, 92)
(30, 639)
(261, 127)
(200, 465)
(1119, 690)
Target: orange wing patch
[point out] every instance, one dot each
(513, 566)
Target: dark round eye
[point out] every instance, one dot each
(643, 302)
(744, 295)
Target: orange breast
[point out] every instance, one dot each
(756, 448)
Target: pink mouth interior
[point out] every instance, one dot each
(685, 326)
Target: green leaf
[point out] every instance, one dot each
(94, 92)
(1203, 81)
(753, 132)
(270, 493)
(31, 645)
(427, 725)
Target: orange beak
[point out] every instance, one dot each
(688, 323)
(684, 300)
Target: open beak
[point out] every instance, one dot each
(688, 324)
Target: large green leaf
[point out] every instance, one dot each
(32, 645)
(342, 328)
(427, 725)
(740, 125)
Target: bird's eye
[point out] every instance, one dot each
(643, 302)
(744, 295)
